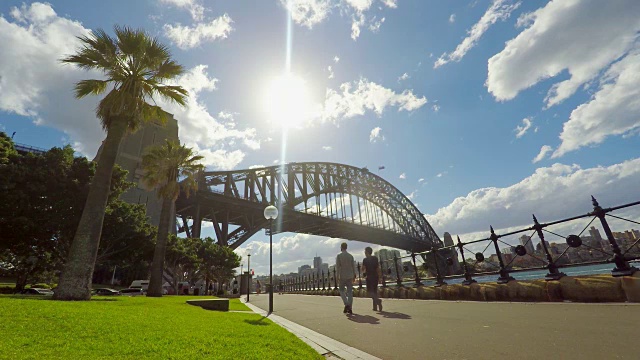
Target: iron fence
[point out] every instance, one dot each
(443, 263)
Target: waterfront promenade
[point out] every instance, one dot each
(425, 329)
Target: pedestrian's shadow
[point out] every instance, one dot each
(365, 319)
(394, 315)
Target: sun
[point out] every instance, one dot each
(287, 101)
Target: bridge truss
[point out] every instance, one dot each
(319, 198)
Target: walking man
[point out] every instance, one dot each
(346, 272)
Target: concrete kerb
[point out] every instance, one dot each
(323, 344)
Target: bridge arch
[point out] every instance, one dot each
(377, 211)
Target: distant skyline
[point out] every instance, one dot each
(481, 111)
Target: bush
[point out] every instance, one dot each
(7, 290)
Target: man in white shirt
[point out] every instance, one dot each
(346, 272)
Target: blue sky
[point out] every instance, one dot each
(483, 111)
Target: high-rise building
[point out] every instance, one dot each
(317, 262)
(386, 258)
(130, 153)
(452, 254)
(595, 234)
(527, 243)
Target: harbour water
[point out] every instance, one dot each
(538, 274)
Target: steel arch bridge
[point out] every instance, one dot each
(318, 198)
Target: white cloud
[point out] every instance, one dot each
(391, 3)
(376, 135)
(441, 174)
(403, 77)
(256, 166)
(521, 130)
(374, 25)
(294, 250)
(198, 128)
(452, 18)
(552, 193)
(421, 180)
(34, 84)
(187, 37)
(336, 59)
(402, 176)
(544, 151)
(435, 107)
(499, 10)
(582, 37)
(412, 195)
(327, 148)
(196, 9)
(330, 70)
(358, 97)
(308, 12)
(613, 110)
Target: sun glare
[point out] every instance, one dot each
(287, 101)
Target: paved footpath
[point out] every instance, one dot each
(424, 329)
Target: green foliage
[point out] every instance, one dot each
(6, 148)
(135, 65)
(43, 198)
(217, 262)
(139, 328)
(181, 259)
(164, 165)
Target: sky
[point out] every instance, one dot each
(481, 111)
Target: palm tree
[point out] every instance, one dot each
(135, 68)
(163, 166)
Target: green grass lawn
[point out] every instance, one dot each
(139, 327)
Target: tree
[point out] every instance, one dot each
(181, 259)
(163, 166)
(38, 217)
(135, 66)
(127, 238)
(6, 148)
(217, 262)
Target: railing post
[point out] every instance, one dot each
(415, 269)
(504, 273)
(553, 274)
(322, 273)
(439, 280)
(468, 280)
(395, 263)
(622, 266)
(335, 280)
(359, 277)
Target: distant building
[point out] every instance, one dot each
(595, 234)
(527, 243)
(317, 263)
(303, 268)
(386, 258)
(455, 267)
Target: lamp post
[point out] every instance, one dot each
(248, 276)
(271, 213)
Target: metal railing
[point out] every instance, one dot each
(441, 261)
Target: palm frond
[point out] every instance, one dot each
(90, 87)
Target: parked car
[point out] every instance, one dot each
(106, 292)
(132, 291)
(36, 291)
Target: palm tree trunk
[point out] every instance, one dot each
(75, 280)
(157, 267)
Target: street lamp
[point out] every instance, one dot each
(271, 213)
(248, 276)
